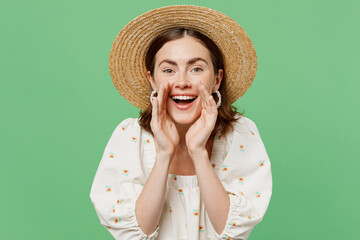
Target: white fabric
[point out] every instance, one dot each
(239, 160)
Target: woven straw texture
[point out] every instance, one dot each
(127, 56)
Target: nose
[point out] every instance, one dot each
(182, 82)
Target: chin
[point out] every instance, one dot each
(184, 117)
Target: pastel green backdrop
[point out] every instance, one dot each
(59, 108)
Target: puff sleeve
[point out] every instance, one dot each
(246, 176)
(119, 181)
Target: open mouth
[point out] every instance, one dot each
(183, 100)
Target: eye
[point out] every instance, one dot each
(168, 70)
(197, 69)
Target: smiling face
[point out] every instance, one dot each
(183, 63)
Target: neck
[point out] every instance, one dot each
(182, 130)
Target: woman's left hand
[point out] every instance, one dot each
(199, 133)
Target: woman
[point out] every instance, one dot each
(191, 166)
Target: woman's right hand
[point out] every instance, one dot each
(165, 132)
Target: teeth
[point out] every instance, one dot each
(182, 97)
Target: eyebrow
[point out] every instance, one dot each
(191, 61)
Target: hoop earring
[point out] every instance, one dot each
(151, 96)
(219, 97)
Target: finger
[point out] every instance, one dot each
(203, 99)
(201, 95)
(210, 101)
(160, 99)
(154, 114)
(205, 96)
(166, 95)
(213, 104)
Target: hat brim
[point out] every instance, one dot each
(127, 56)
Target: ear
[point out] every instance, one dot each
(151, 80)
(218, 79)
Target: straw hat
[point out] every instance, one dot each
(127, 56)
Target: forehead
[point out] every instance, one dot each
(183, 49)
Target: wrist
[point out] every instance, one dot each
(200, 160)
(164, 157)
(199, 154)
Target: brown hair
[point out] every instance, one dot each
(226, 112)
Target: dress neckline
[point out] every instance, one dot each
(181, 175)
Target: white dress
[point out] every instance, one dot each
(239, 159)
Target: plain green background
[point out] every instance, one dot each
(59, 108)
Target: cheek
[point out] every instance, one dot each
(208, 83)
(157, 80)
(157, 83)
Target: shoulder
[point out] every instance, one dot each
(245, 125)
(128, 125)
(126, 132)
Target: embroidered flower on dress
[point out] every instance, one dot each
(218, 138)
(196, 212)
(111, 155)
(261, 163)
(242, 148)
(108, 188)
(224, 168)
(258, 194)
(125, 172)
